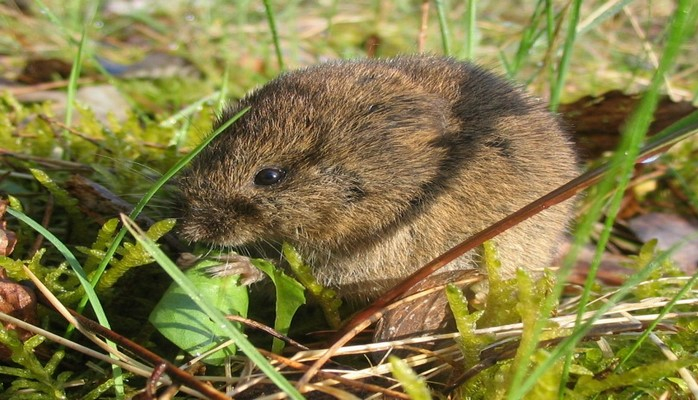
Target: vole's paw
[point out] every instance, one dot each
(187, 260)
(235, 264)
(230, 264)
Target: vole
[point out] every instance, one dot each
(371, 168)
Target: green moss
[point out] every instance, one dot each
(34, 380)
(470, 343)
(327, 298)
(641, 378)
(652, 287)
(133, 254)
(415, 385)
(503, 310)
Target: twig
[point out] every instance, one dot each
(422, 38)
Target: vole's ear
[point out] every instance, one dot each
(423, 118)
(350, 185)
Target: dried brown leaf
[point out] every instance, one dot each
(670, 229)
(597, 121)
(18, 301)
(8, 239)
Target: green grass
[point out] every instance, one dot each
(560, 50)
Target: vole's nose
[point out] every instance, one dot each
(239, 207)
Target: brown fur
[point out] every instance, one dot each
(389, 163)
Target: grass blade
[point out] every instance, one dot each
(443, 26)
(274, 34)
(564, 65)
(471, 31)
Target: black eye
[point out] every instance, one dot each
(269, 176)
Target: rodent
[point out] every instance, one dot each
(371, 168)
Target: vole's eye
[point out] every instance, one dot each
(269, 176)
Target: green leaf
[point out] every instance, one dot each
(289, 296)
(181, 321)
(212, 312)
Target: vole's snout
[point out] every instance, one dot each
(239, 208)
(202, 229)
(194, 226)
(221, 220)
